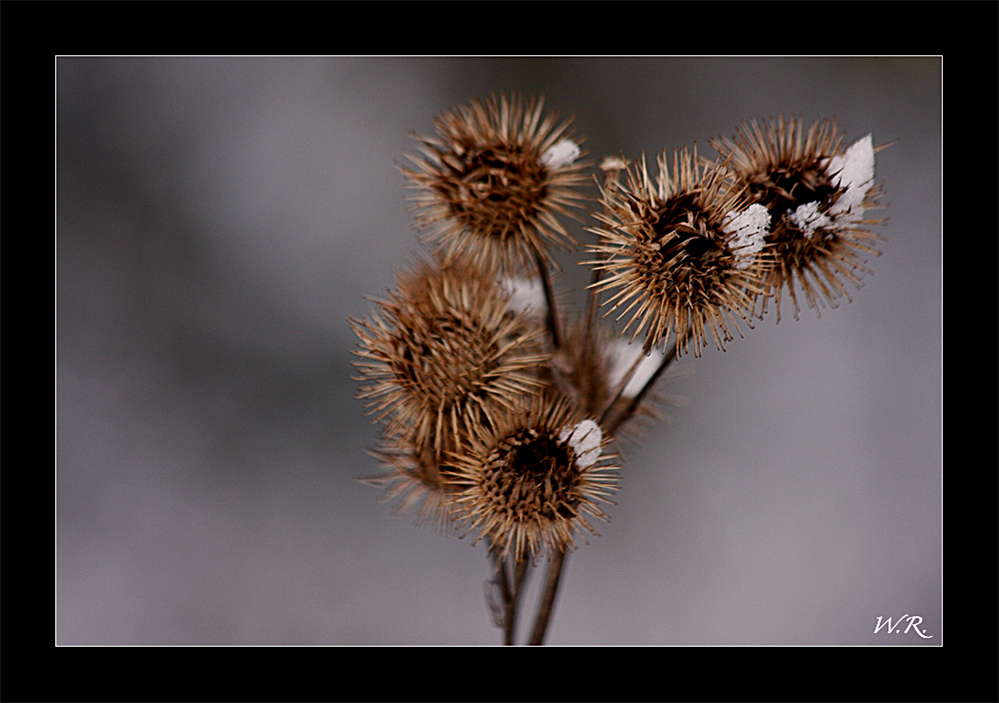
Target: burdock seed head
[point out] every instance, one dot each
(680, 255)
(528, 484)
(817, 195)
(493, 181)
(444, 354)
(411, 478)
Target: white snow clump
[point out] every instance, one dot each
(624, 358)
(749, 227)
(561, 154)
(807, 218)
(585, 440)
(525, 294)
(854, 171)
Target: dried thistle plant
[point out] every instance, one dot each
(494, 180)
(445, 355)
(497, 423)
(817, 195)
(412, 479)
(527, 484)
(679, 257)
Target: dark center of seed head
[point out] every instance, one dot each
(678, 229)
(501, 175)
(787, 189)
(540, 457)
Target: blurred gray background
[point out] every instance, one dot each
(218, 221)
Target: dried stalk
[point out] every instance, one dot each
(637, 400)
(555, 568)
(551, 317)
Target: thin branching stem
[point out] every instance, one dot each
(510, 622)
(620, 389)
(555, 569)
(508, 598)
(519, 574)
(510, 588)
(552, 316)
(637, 400)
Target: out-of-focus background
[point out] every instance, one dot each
(218, 221)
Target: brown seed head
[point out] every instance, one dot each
(443, 355)
(493, 180)
(529, 484)
(412, 478)
(671, 256)
(816, 193)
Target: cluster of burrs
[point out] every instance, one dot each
(496, 405)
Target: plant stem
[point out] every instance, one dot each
(510, 592)
(636, 401)
(508, 600)
(552, 316)
(625, 379)
(510, 623)
(543, 617)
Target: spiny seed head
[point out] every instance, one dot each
(413, 478)
(677, 257)
(493, 180)
(528, 484)
(444, 354)
(816, 194)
